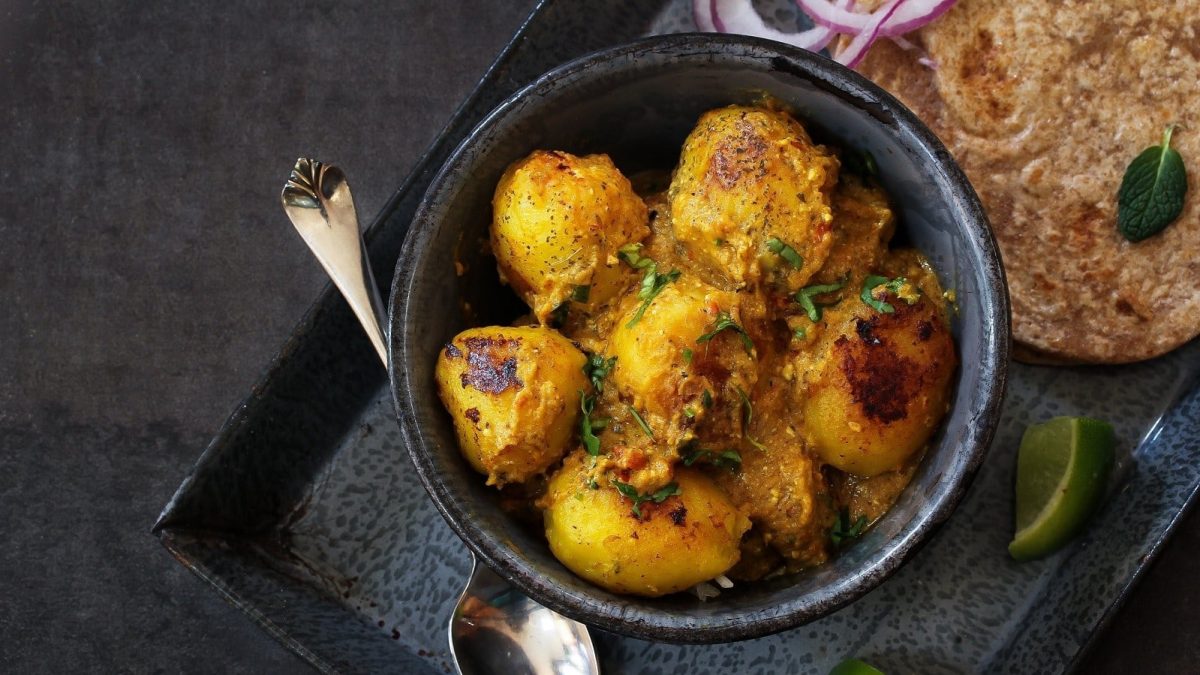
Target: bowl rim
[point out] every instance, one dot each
(796, 610)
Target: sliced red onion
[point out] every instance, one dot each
(857, 49)
(702, 15)
(739, 16)
(914, 15)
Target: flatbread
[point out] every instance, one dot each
(1044, 104)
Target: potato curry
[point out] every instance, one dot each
(730, 378)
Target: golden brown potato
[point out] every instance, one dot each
(686, 539)
(514, 396)
(746, 176)
(882, 384)
(673, 354)
(558, 221)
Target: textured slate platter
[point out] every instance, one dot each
(304, 511)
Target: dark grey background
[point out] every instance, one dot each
(147, 275)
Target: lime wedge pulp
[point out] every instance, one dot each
(855, 667)
(1062, 471)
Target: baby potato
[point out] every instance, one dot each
(881, 388)
(673, 354)
(557, 223)
(513, 394)
(749, 182)
(690, 537)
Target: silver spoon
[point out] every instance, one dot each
(495, 628)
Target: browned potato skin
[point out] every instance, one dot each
(558, 221)
(513, 394)
(746, 175)
(687, 539)
(882, 388)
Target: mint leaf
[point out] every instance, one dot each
(1152, 191)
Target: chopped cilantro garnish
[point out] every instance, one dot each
(800, 333)
(659, 496)
(748, 410)
(706, 399)
(805, 295)
(844, 531)
(892, 286)
(581, 293)
(597, 368)
(687, 355)
(729, 459)
(558, 317)
(652, 281)
(689, 413)
(726, 322)
(587, 428)
(631, 253)
(778, 247)
(641, 422)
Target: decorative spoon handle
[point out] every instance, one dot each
(317, 199)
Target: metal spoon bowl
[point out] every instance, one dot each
(495, 628)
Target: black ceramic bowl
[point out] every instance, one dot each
(637, 103)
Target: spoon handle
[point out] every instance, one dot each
(317, 199)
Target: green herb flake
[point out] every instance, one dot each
(581, 293)
(641, 422)
(805, 296)
(843, 531)
(689, 413)
(725, 322)
(778, 247)
(558, 317)
(748, 410)
(687, 356)
(860, 163)
(706, 399)
(631, 254)
(652, 281)
(587, 428)
(729, 459)
(800, 334)
(1152, 190)
(597, 368)
(659, 496)
(893, 286)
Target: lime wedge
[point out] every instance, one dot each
(1062, 470)
(855, 667)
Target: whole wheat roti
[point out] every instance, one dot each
(1044, 104)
